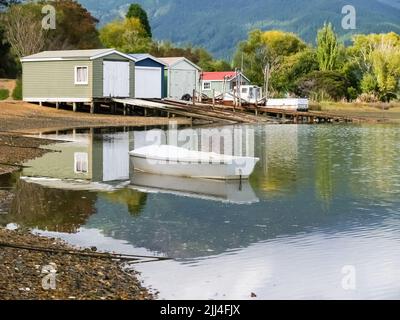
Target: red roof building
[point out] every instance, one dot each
(220, 81)
(218, 76)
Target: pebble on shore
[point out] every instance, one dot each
(24, 274)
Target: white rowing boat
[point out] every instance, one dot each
(175, 161)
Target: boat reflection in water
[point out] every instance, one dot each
(230, 191)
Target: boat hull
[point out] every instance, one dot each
(230, 191)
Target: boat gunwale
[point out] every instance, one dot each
(195, 161)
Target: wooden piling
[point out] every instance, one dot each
(74, 106)
(213, 98)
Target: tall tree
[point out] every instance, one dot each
(378, 57)
(7, 3)
(23, 29)
(75, 27)
(8, 68)
(262, 54)
(328, 49)
(136, 11)
(126, 35)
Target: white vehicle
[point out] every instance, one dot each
(248, 93)
(175, 161)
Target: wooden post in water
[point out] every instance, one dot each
(92, 107)
(213, 98)
(74, 106)
(124, 109)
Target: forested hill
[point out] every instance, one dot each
(218, 25)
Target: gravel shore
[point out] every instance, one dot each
(26, 275)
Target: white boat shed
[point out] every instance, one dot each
(183, 76)
(149, 76)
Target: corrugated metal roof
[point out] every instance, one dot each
(170, 61)
(220, 76)
(66, 54)
(142, 56)
(210, 76)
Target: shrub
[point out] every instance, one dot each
(352, 93)
(17, 93)
(4, 94)
(323, 85)
(367, 98)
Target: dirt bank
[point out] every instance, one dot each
(377, 112)
(24, 117)
(23, 273)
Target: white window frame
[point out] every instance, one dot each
(76, 76)
(206, 82)
(81, 158)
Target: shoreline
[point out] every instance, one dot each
(386, 113)
(76, 277)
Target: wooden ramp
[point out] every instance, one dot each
(194, 111)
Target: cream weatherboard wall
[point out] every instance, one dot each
(55, 79)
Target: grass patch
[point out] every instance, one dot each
(17, 93)
(4, 94)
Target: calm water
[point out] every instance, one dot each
(322, 199)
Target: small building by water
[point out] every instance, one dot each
(221, 82)
(149, 77)
(183, 76)
(77, 76)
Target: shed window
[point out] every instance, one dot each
(81, 75)
(206, 85)
(81, 162)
